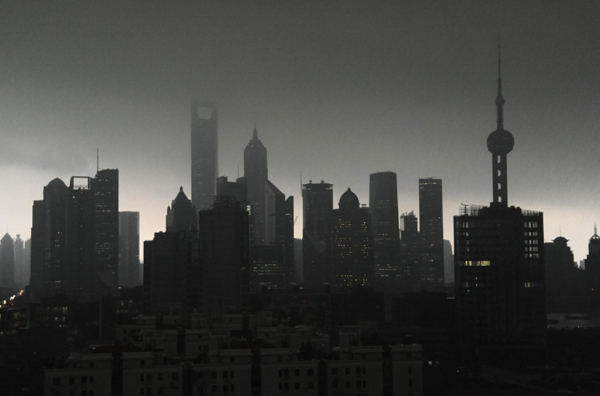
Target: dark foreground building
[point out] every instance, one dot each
(204, 153)
(75, 236)
(499, 266)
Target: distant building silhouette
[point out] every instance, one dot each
(317, 204)
(432, 234)
(592, 266)
(383, 206)
(205, 153)
(499, 264)
(237, 190)
(7, 261)
(181, 215)
(561, 272)
(272, 264)
(129, 249)
(27, 262)
(448, 262)
(256, 174)
(410, 254)
(351, 243)
(20, 269)
(74, 238)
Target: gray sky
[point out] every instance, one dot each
(338, 89)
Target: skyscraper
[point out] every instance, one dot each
(317, 204)
(499, 266)
(256, 174)
(106, 225)
(205, 154)
(20, 262)
(272, 263)
(223, 252)
(432, 234)
(7, 261)
(74, 238)
(410, 253)
(351, 243)
(129, 249)
(383, 206)
(592, 266)
(182, 214)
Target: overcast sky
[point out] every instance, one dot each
(338, 90)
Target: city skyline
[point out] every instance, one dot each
(417, 104)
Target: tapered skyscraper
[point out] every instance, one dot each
(205, 154)
(256, 174)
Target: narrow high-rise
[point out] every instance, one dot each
(205, 154)
(383, 206)
(256, 174)
(7, 261)
(432, 234)
(317, 205)
(129, 249)
(499, 267)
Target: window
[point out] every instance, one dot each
(141, 377)
(175, 376)
(71, 380)
(213, 388)
(225, 374)
(91, 379)
(83, 393)
(310, 385)
(334, 371)
(297, 372)
(347, 370)
(84, 379)
(410, 370)
(231, 388)
(232, 374)
(56, 381)
(347, 384)
(409, 382)
(162, 391)
(142, 391)
(297, 385)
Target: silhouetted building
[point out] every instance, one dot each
(205, 154)
(499, 264)
(448, 263)
(432, 234)
(256, 174)
(592, 266)
(129, 249)
(317, 204)
(74, 238)
(181, 215)
(351, 243)
(236, 190)
(223, 232)
(561, 272)
(7, 261)
(48, 234)
(106, 225)
(20, 279)
(272, 264)
(172, 272)
(383, 206)
(410, 253)
(27, 262)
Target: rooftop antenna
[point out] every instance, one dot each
(559, 230)
(499, 98)
(238, 170)
(97, 160)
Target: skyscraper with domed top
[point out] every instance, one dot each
(499, 265)
(351, 243)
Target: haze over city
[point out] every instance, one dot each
(337, 89)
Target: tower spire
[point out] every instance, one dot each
(499, 98)
(255, 132)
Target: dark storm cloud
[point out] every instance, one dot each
(339, 89)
